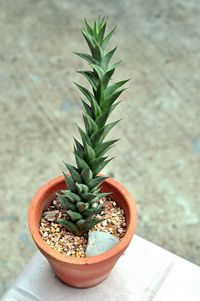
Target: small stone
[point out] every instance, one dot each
(50, 215)
(100, 242)
(120, 230)
(104, 223)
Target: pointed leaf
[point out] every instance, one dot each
(88, 196)
(85, 91)
(94, 164)
(74, 216)
(110, 100)
(96, 181)
(87, 57)
(106, 59)
(99, 197)
(87, 108)
(107, 39)
(81, 164)
(73, 197)
(84, 136)
(91, 211)
(69, 181)
(65, 203)
(89, 152)
(99, 71)
(101, 148)
(74, 173)
(96, 53)
(89, 39)
(90, 77)
(88, 27)
(71, 227)
(82, 206)
(79, 148)
(81, 188)
(91, 224)
(107, 76)
(101, 166)
(102, 32)
(90, 124)
(86, 175)
(101, 120)
(111, 89)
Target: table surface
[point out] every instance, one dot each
(145, 272)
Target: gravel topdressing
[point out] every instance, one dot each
(65, 242)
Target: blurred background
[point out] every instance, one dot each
(158, 156)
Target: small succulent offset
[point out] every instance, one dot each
(81, 199)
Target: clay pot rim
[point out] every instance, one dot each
(34, 230)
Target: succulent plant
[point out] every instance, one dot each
(81, 199)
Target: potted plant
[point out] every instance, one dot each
(66, 208)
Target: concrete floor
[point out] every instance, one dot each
(158, 157)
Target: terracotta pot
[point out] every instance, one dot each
(81, 272)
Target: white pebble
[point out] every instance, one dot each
(120, 230)
(104, 223)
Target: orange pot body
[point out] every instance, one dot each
(81, 272)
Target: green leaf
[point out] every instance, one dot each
(87, 57)
(89, 39)
(71, 227)
(96, 53)
(99, 197)
(65, 203)
(86, 175)
(81, 164)
(84, 136)
(73, 197)
(96, 181)
(81, 188)
(79, 149)
(90, 124)
(74, 216)
(107, 39)
(108, 127)
(106, 59)
(101, 166)
(95, 108)
(81, 224)
(94, 164)
(91, 224)
(111, 89)
(90, 77)
(110, 100)
(88, 27)
(99, 94)
(74, 172)
(91, 211)
(104, 147)
(102, 32)
(101, 120)
(69, 181)
(85, 92)
(102, 133)
(88, 196)
(99, 71)
(87, 108)
(82, 206)
(108, 74)
(89, 152)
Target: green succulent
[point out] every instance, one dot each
(81, 199)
